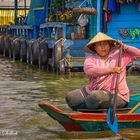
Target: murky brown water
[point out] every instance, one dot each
(23, 86)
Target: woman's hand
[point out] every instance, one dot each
(118, 44)
(115, 70)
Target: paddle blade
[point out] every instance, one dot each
(112, 125)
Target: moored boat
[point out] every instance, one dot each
(95, 120)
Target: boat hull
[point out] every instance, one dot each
(82, 121)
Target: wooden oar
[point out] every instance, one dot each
(111, 113)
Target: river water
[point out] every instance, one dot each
(23, 86)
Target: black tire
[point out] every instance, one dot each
(57, 56)
(61, 66)
(133, 70)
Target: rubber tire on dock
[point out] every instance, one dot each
(134, 69)
(57, 54)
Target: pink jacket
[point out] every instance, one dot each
(98, 71)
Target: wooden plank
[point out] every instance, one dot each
(126, 17)
(135, 108)
(21, 27)
(104, 110)
(124, 24)
(77, 59)
(53, 24)
(76, 64)
(131, 8)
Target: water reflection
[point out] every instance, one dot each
(23, 86)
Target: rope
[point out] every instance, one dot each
(68, 59)
(91, 3)
(61, 39)
(84, 2)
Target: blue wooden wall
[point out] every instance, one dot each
(95, 24)
(128, 18)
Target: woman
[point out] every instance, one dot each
(101, 69)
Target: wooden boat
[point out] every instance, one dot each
(95, 121)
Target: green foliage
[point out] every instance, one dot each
(134, 32)
(58, 5)
(59, 13)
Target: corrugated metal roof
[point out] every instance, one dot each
(10, 3)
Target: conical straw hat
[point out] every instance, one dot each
(98, 38)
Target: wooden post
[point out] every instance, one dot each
(67, 58)
(34, 32)
(64, 30)
(99, 15)
(25, 7)
(91, 23)
(46, 8)
(15, 10)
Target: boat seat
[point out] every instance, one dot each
(118, 110)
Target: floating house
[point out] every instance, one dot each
(54, 32)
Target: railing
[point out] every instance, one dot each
(26, 31)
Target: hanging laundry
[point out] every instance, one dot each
(128, 1)
(121, 1)
(109, 16)
(104, 23)
(105, 6)
(108, 7)
(112, 5)
(132, 1)
(106, 18)
(139, 5)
